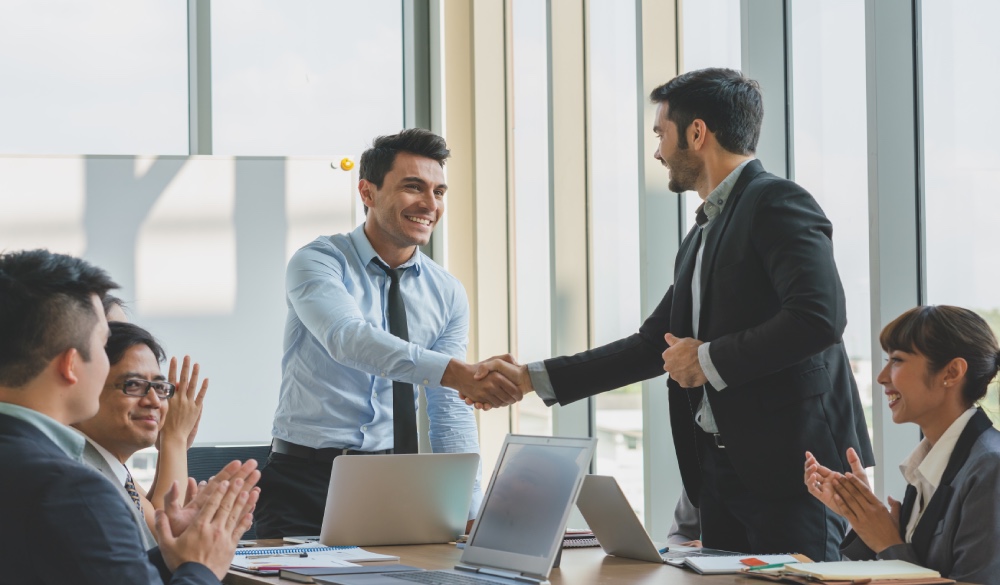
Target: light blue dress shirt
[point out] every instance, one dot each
(339, 358)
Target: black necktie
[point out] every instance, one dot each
(404, 416)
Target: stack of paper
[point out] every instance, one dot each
(848, 570)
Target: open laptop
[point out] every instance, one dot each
(618, 529)
(520, 526)
(378, 500)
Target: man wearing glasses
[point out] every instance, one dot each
(133, 412)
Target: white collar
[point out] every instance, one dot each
(928, 462)
(117, 467)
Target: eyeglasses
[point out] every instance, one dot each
(138, 387)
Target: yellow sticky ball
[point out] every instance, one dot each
(347, 164)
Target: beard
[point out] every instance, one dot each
(685, 168)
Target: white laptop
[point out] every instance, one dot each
(378, 500)
(520, 527)
(618, 529)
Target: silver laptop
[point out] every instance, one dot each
(618, 529)
(520, 526)
(398, 499)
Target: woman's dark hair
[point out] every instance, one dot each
(730, 104)
(126, 335)
(942, 333)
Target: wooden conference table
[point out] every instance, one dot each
(579, 566)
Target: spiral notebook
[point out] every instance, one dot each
(269, 561)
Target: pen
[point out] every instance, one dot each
(771, 566)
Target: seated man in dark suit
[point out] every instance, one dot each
(139, 408)
(62, 521)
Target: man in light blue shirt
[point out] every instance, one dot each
(341, 359)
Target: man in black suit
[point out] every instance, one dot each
(750, 332)
(63, 522)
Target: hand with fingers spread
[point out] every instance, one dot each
(184, 415)
(180, 425)
(506, 366)
(877, 526)
(681, 361)
(211, 535)
(493, 389)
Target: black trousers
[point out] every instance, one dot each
(735, 518)
(292, 496)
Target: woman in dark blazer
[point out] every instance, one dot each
(941, 359)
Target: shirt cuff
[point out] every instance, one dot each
(705, 359)
(430, 369)
(541, 382)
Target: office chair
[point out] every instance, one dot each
(204, 462)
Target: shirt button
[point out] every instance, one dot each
(426, 382)
(364, 428)
(383, 374)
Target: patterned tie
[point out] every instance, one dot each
(130, 488)
(404, 416)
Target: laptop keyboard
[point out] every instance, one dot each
(441, 578)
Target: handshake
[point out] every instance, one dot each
(497, 381)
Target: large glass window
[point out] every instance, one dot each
(532, 266)
(303, 77)
(962, 158)
(829, 130)
(711, 35)
(104, 77)
(614, 221)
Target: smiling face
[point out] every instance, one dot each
(403, 213)
(684, 166)
(914, 393)
(126, 424)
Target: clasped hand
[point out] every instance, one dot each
(494, 382)
(850, 496)
(681, 361)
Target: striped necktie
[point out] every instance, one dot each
(130, 488)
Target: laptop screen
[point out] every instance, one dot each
(533, 487)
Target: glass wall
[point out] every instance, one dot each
(711, 37)
(962, 158)
(614, 221)
(93, 77)
(305, 76)
(532, 250)
(829, 135)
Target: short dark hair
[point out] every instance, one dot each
(126, 335)
(942, 333)
(377, 161)
(730, 104)
(109, 301)
(46, 308)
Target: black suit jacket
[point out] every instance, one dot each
(62, 522)
(773, 309)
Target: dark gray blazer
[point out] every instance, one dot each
(959, 537)
(774, 310)
(93, 458)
